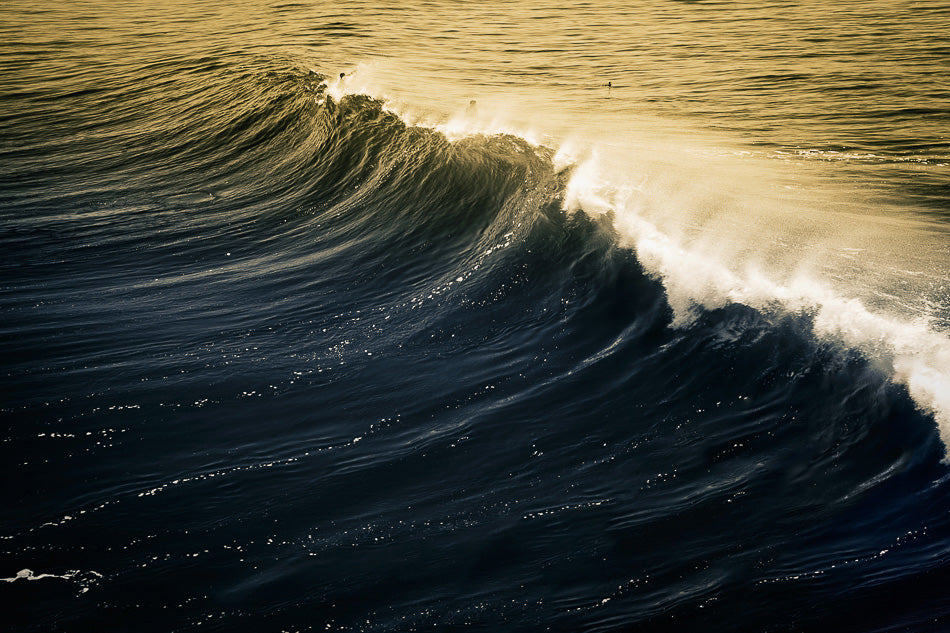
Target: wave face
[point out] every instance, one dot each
(280, 354)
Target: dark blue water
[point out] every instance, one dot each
(284, 353)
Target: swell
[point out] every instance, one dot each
(445, 351)
(283, 190)
(287, 202)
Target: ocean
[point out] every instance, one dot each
(442, 316)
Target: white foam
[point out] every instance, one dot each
(697, 276)
(456, 121)
(85, 579)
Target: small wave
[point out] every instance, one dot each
(866, 158)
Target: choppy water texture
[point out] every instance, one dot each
(289, 352)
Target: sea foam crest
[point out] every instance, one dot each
(484, 119)
(695, 278)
